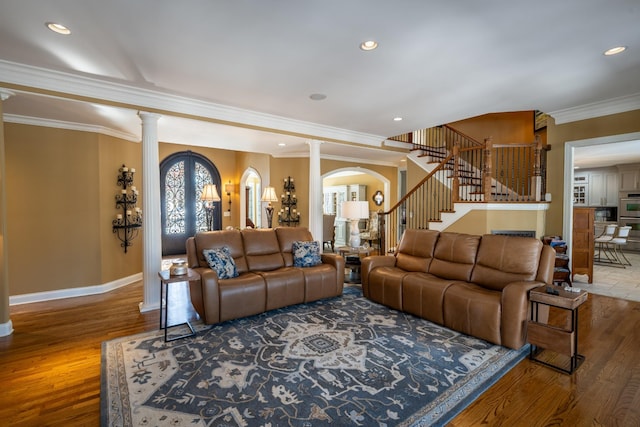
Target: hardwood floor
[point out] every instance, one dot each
(50, 372)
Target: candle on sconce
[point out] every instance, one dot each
(125, 169)
(133, 170)
(119, 216)
(124, 191)
(128, 213)
(288, 193)
(133, 187)
(285, 180)
(286, 208)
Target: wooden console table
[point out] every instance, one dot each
(543, 336)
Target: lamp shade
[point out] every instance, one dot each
(269, 195)
(355, 210)
(210, 193)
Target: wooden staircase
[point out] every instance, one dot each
(462, 171)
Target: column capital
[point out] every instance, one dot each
(145, 116)
(5, 94)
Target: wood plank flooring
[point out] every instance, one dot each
(50, 366)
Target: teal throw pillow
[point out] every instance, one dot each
(221, 261)
(306, 254)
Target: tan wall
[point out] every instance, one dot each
(53, 209)
(113, 153)
(298, 169)
(389, 172)
(484, 222)
(558, 135)
(502, 128)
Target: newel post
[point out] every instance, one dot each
(486, 173)
(536, 184)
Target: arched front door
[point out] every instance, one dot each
(182, 177)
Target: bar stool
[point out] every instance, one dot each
(607, 235)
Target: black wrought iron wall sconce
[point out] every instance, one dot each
(228, 188)
(127, 224)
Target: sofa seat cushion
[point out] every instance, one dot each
(385, 286)
(473, 310)
(320, 282)
(285, 286)
(505, 259)
(261, 249)
(423, 296)
(416, 249)
(242, 296)
(454, 256)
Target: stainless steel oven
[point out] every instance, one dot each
(630, 206)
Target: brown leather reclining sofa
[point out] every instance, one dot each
(477, 285)
(267, 278)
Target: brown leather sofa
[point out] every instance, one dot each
(477, 285)
(267, 278)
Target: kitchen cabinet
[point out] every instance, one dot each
(581, 189)
(603, 188)
(629, 177)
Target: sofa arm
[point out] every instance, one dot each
(337, 262)
(205, 295)
(515, 312)
(370, 263)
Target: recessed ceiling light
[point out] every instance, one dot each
(318, 96)
(397, 119)
(58, 28)
(615, 50)
(281, 144)
(368, 45)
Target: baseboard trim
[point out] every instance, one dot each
(74, 292)
(6, 329)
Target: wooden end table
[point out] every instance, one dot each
(164, 308)
(543, 336)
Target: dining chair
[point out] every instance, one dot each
(615, 246)
(605, 237)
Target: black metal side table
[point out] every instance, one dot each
(164, 303)
(557, 339)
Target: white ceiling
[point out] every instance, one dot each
(255, 64)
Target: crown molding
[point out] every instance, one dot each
(60, 124)
(140, 98)
(597, 109)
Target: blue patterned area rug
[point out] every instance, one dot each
(340, 362)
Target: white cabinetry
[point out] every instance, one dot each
(629, 177)
(580, 189)
(603, 188)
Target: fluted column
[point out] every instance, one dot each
(6, 327)
(315, 191)
(151, 226)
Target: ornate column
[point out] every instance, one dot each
(152, 228)
(315, 191)
(6, 327)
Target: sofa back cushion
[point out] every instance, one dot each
(416, 249)
(261, 249)
(505, 259)
(217, 239)
(286, 236)
(454, 256)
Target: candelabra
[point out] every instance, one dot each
(127, 224)
(289, 214)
